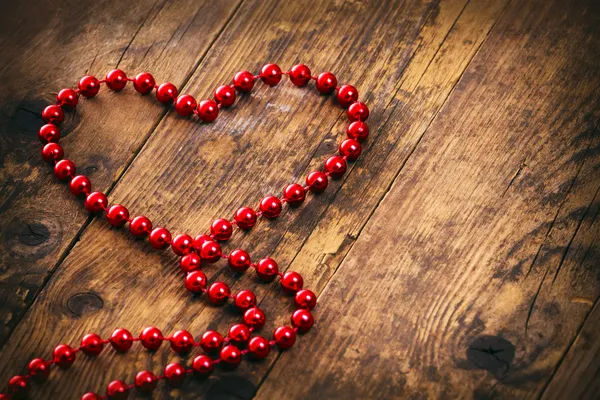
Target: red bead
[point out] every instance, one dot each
(210, 251)
(121, 340)
(243, 81)
(117, 215)
(218, 293)
(151, 338)
(245, 218)
(303, 320)
(39, 369)
(92, 344)
(292, 282)
(182, 341)
(166, 93)
(116, 80)
(195, 282)
(357, 130)
(358, 111)
(200, 240)
(270, 74)
(259, 347)
(317, 181)
(239, 260)
(335, 166)
(18, 385)
(270, 207)
(225, 95)
(231, 356)
(145, 381)
(144, 83)
(239, 333)
(49, 133)
(207, 110)
(284, 337)
(267, 269)
(351, 149)
(140, 226)
(52, 152)
(202, 365)
(64, 169)
(88, 396)
(89, 86)
(300, 75)
(182, 244)
(221, 229)
(67, 97)
(160, 238)
(294, 194)
(79, 185)
(244, 300)
(190, 262)
(96, 202)
(53, 114)
(255, 318)
(305, 299)
(117, 390)
(64, 355)
(175, 374)
(326, 82)
(347, 95)
(211, 341)
(185, 105)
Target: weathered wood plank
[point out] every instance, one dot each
(50, 49)
(578, 376)
(468, 280)
(205, 156)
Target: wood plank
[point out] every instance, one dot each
(142, 190)
(468, 279)
(50, 49)
(578, 374)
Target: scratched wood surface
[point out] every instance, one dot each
(459, 257)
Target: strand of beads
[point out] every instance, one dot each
(204, 247)
(230, 356)
(182, 342)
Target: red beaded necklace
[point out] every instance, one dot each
(204, 248)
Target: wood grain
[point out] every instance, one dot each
(440, 295)
(457, 258)
(50, 49)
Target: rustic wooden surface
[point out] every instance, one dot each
(459, 257)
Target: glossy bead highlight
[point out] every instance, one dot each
(89, 86)
(326, 82)
(96, 202)
(185, 105)
(67, 98)
(116, 80)
(144, 83)
(53, 114)
(347, 95)
(300, 75)
(166, 93)
(270, 74)
(270, 207)
(245, 218)
(243, 81)
(317, 181)
(225, 95)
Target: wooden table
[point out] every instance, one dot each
(459, 256)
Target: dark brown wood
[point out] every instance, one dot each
(472, 277)
(457, 258)
(50, 45)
